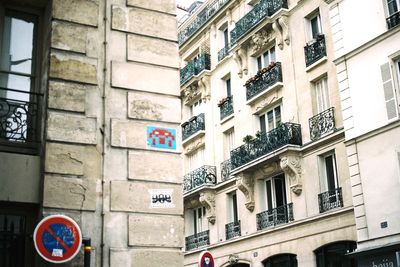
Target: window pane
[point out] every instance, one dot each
(271, 124)
(266, 59)
(228, 87)
(16, 82)
(259, 63)
(280, 192)
(330, 172)
(234, 206)
(392, 6)
(226, 39)
(18, 42)
(314, 27)
(262, 124)
(277, 115)
(273, 55)
(269, 195)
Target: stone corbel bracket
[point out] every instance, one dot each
(207, 199)
(240, 57)
(291, 165)
(281, 29)
(190, 93)
(245, 183)
(205, 88)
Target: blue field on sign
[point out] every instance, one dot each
(63, 232)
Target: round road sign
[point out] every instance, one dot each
(206, 259)
(57, 238)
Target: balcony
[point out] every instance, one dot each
(393, 20)
(194, 125)
(249, 21)
(198, 240)
(331, 199)
(201, 19)
(226, 107)
(285, 134)
(232, 230)
(226, 170)
(315, 51)
(322, 124)
(263, 80)
(19, 118)
(194, 67)
(223, 52)
(205, 175)
(276, 216)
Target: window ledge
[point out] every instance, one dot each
(316, 63)
(227, 118)
(262, 95)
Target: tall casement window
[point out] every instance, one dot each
(229, 142)
(331, 193)
(335, 254)
(275, 192)
(233, 215)
(282, 260)
(314, 25)
(266, 58)
(225, 33)
(197, 108)
(18, 75)
(196, 228)
(389, 88)
(196, 159)
(270, 119)
(321, 95)
(200, 222)
(393, 6)
(228, 87)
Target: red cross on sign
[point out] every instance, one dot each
(57, 238)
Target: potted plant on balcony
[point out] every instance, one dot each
(222, 101)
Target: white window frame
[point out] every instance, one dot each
(229, 142)
(273, 192)
(269, 54)
(197, 108)
(196, 159)
(232, 206)
(321, 91)
(324, 187)
(309, 19)
(275, 118)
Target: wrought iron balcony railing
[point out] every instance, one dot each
(393, 20)
(232, 230)
(263, 9)
(194, 67)
(276, 216)
(194, 125)
(223, 52)
(208, 12)
(226, 170)
(315, 51)
(322, 124)
(285, 134)
(264, 79)
(331, 199)
(19, 116)
(205, 175)
(226, 107)
(197, 240)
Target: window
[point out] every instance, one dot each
(226, 37)
(197, 108)
(229, 142)
(275, 192)
(228, 87)
(389, 90)
(233, 208)
(283, 260)
(200, 222)
(321, 94)
(270, 119)
(314, 26)
(335, 254)
(196, 159)
(266, 58)
(393, 6)
(329, 180)
(18, 75)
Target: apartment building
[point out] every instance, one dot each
(89, 128)
(266, 179)
(368, 74)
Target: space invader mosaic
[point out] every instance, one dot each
(158, 137)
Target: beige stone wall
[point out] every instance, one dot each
(113, 72)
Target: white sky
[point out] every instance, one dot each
(184, 3)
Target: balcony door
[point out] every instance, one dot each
(270, 119)
(276, 192)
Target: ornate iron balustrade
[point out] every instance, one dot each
(197, 240)
(226, 170)
(223, 52)
(315, 51)
(264, 79)
(226, 108)
(194, 125)
(331, 199)
(276, 216)
(194, 67)
(285, 134)
(205, 175)
(393, 20)
(261, 10)
(322, 124)
(208, 12)
(232, 230)
(19, 118)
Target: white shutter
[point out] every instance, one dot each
(388, 91)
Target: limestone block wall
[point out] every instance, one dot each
(112, 135)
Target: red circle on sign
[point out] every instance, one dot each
(74, 232)
(206, 259)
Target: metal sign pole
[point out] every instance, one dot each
(87, 250)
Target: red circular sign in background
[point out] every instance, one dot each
(202, 259)
(69, 238)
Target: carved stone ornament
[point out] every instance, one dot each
(245, 183)
(190, 147)
(267, 170)
(192, 203)
(207, 199)
(205, 88)
(291, 165)
(190, 93)
(267, 101)
(259, 41)
(233, 259)
(281, 29)
(240, 57)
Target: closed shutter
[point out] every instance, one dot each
(388, 90)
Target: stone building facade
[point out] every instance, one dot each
(90, 128)
(266, 179)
